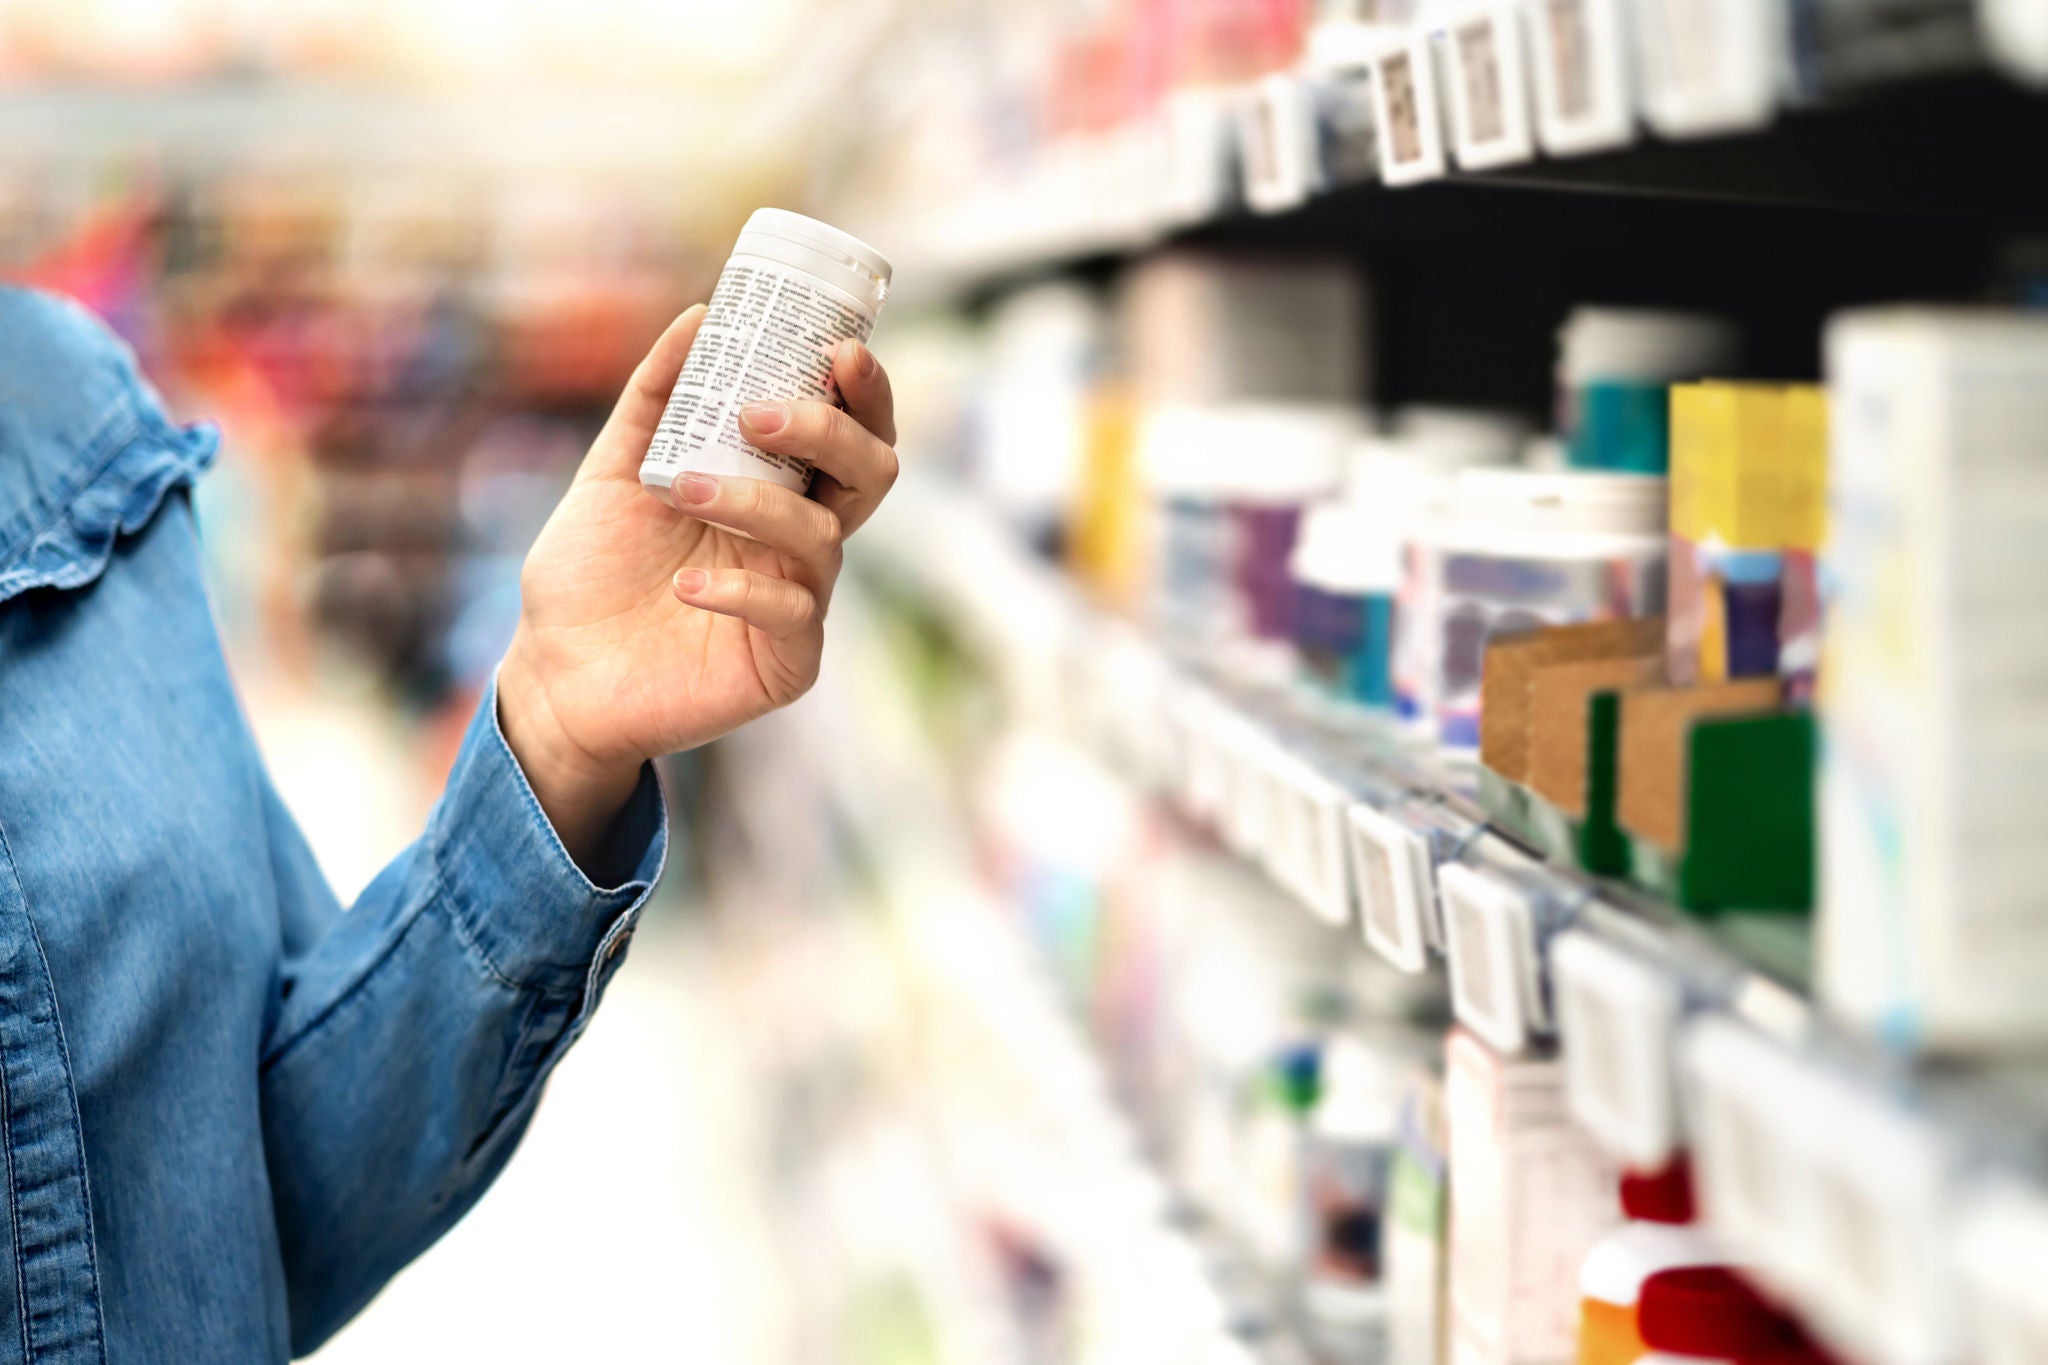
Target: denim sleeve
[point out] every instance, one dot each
(417, 1028)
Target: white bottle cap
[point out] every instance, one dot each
(1522, 502)
(838, 257)
(1342, 548)
(1285, 452)
(1642, 344)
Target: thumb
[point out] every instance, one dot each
(622, 444)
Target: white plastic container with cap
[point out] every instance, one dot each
(1513, 549)
(1614, 368)
(1285, 457)
(1353, 1132)
(792, 291)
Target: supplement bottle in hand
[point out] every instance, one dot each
(793, 290)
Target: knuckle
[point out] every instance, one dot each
(828, 531)
(830, 426)
(892, 466)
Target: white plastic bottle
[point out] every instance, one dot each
(791, 292)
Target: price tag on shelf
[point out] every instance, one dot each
(1396, 879)
(1250, 791)
(1198, 134)
(1134, 680)
(1310, 849)
(1276, 139)
(1487, 66)
(2002, 1252)
(2016, 33)
(1490, 925)
(1406, 107)
(1881, 1207)
(1617, 1017)
(1581, 58)
(1745, 1102)
(1711, 66)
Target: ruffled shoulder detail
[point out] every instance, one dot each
(86, 453)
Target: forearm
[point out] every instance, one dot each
(416, 1029)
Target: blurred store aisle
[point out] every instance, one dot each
(611, 1235)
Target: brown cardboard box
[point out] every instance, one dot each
(1558, 738)
(1512, 661)
(1655, 723)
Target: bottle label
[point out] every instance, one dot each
(768, 334)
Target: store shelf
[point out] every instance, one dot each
(1279, 781)
(1899, 172)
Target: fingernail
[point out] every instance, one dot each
(691, 580)
(696, 488)
(766, 418)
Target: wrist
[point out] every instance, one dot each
(579, 791)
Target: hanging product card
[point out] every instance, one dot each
(1396, 881)
(1276, 136)
(1319, 871)
(1199, 133)
(2001, 1250)
(1581, 59)
(2016, 34)
(1491, 926)
(1710, 66)
(1488, 79)
(1343, 136)
(1247, 812)
(1617, 1018)
(1409, 112)
(1745, 1100)
(1881, 1204)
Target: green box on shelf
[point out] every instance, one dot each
(1749, 818)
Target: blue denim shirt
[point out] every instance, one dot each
(230, 1111)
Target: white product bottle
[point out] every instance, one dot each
(793, 289)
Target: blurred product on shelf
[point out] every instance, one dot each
(1344, 605)
(1417, 1232)
(1549, 738)
(1201, 329)
(1346, 1179)
(1048, 346)
(1659, 1283)
(1288, 459)
(1716, 786)
(1348, 565)
(1748, 511)
(1935, 764)
(1530, 1194)
(1614, 368)
(1513, 549)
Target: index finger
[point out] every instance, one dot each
(864, 389)
(623, 442)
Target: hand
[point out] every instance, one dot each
(644, 631)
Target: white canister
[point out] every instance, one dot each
(792, 291)
(1512, 549)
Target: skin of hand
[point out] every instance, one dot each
(644, 630)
